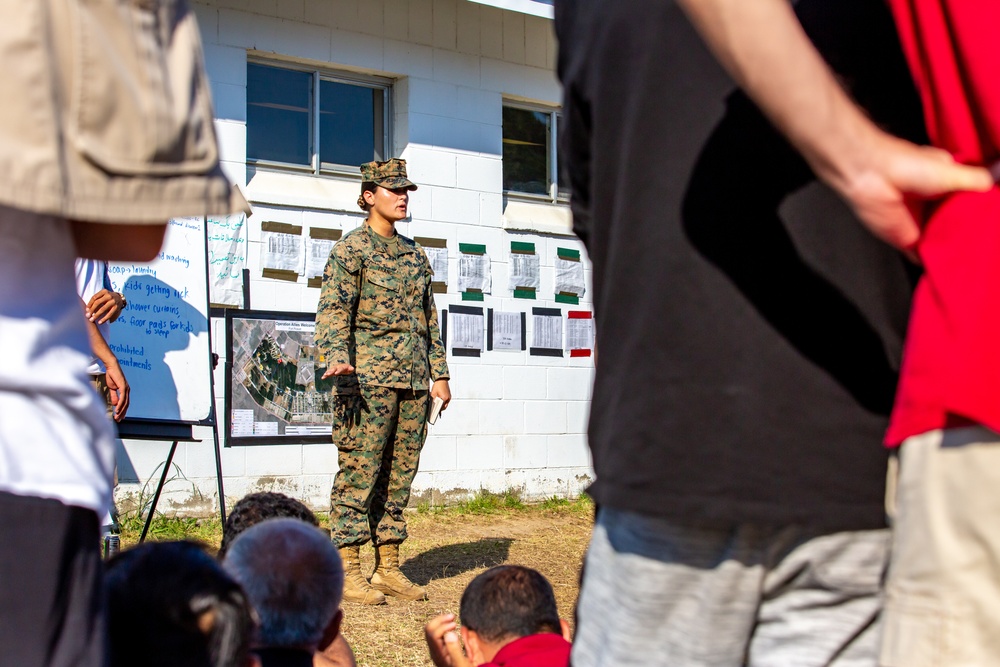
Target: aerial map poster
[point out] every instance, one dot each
(275, 394)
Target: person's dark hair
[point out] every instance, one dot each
(256, 507)
(366, 186)
(509, 602)
(170, 603)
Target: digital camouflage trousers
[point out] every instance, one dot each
(379, 433)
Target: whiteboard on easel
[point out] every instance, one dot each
(161, 339)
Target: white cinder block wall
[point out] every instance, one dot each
(517, 421)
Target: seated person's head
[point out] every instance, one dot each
(253, 508)
(294, 578)
(170, 603)
(506, 603)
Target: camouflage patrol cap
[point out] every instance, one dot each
(390, 174)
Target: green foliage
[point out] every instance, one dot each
(163, 528)
(487, 502)
(555, 502)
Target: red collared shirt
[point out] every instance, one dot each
(542, 650)
(951, 363)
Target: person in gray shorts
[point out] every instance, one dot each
(750, 333)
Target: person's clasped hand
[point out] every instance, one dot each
(443, 642)
(105, 306)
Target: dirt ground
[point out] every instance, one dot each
(445, 551)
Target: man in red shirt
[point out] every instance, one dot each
(509, 619)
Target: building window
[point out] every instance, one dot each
(315, 121)
(530, 163)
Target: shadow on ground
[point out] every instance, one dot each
(453, 559)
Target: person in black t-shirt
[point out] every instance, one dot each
(755, 332)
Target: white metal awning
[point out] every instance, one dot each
(534, 7)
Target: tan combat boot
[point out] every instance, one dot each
(389, 579)
(356, 587)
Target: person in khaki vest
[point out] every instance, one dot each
(106, 132)
(377, 329)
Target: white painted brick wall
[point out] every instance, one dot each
(482, 174)
(407, 58)
(545, 417)
(513, 37)
(462, 416)
(522, 382)
(516, 421)
(502, 417)
(453, 205)
(468, 28)
(439, 452)
(264, 460)
(491, 32)
(422, 22)
(525, 451)
(396, 19)
(480, 452)
(445, 17)
(568, 451)
(485, 384)
(536, 31)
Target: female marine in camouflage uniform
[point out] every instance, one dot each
(377, 328)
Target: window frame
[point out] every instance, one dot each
(320, 74)
(554, 196)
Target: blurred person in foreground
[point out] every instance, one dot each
(85, 175)
(292, 574)
(509, 619)
(170, 604)
(737, 419)
(254, 508)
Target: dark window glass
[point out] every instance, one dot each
(278, 104)
(350, 118)
(562, 178)
(525, 151)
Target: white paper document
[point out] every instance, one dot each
(547, 331)
(523, 271)
(580, 333)
(281, 251)
(474, 273)
(317, 253)
(466, 331)
(227, 257)
(569, 277)
(507, 334)
(438, 258)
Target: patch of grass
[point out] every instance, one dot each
(487, 502)
(163, 528)
(555, 502)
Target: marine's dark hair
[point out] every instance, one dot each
(366, 186)
(256, 507)
(509, 602)
(170, 603)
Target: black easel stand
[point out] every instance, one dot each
(176, 433)
(159, 489)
